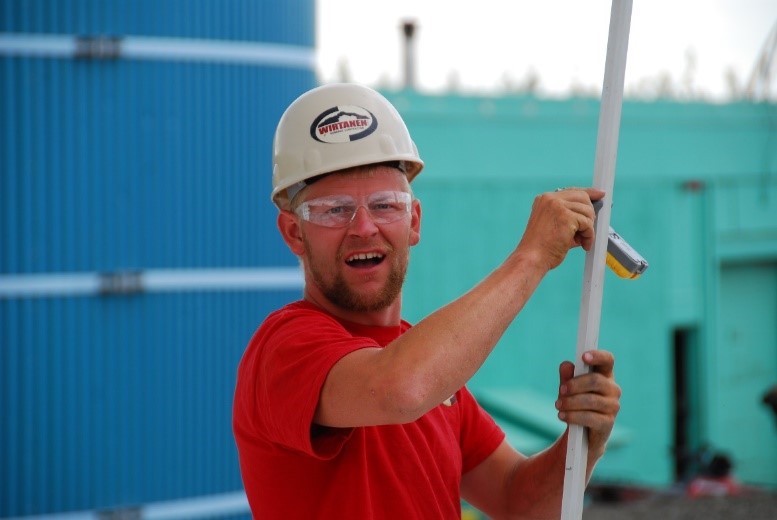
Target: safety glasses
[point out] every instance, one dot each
(336, 211)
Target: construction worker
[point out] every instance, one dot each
(344, 410)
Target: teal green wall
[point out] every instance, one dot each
(695, 193)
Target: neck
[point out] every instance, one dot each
(387, 317)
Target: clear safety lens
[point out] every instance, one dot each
(384, 207)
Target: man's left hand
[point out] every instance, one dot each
(591, 400)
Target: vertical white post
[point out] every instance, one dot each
(593, 279)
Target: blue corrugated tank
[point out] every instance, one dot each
(138, 248)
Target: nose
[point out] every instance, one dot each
(362, 223)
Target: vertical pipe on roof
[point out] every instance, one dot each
(408, 30)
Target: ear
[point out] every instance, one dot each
(291, 232)
(415, 223)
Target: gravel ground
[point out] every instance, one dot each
(752, 505)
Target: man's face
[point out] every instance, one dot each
(360, 267)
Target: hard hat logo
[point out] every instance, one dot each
(343, 124)
(365, 124)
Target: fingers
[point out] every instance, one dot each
(559, 221)
(599, 399)
(584, 236)
(580, 203)
(574, 391)
(591, 400)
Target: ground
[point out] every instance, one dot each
(624, 503)
(669, 505)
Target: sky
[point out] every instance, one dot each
(491, 45)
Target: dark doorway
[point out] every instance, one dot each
(685, 412)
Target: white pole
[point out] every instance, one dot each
(593, 279)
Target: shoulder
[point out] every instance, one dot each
(300, 315)
(302, 329)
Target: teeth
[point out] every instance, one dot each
(363, 256)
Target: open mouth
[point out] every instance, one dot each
(363, 260)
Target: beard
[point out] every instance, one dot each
(335, 288)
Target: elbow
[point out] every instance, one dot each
(404, 399)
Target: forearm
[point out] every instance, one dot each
(442, 352)
(536, 486)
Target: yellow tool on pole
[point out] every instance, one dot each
(595, 260)
(623, 259)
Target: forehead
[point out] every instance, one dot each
(358, 182)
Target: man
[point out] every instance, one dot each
(342, 409)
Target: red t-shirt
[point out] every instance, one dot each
(292, 468)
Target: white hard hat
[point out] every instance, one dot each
(333, 127)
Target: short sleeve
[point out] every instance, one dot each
(480, 435)
(298, 351)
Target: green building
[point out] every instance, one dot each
(695, 337)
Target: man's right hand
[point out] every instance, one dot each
(560, 221)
